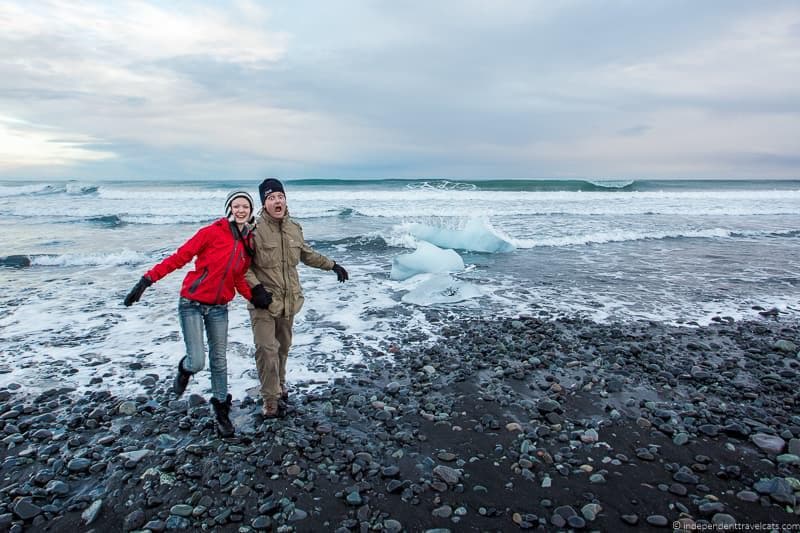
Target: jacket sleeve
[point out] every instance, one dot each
(180, 258)
(243, 287)
(250, 277)
(314, 259)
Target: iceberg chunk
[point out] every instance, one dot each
(475, 236)
(441, 289)
(426, 258)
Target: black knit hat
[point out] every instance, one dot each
(269, 186)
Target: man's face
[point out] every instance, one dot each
(275, 204)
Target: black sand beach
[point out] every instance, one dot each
(549, 423)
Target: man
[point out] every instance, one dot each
(277, 295)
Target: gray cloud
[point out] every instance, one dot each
(514, 89)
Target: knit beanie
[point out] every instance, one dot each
(233, 196)
(269, 186)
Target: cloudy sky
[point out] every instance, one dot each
(401, 89)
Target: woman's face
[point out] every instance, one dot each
(240, 208)
(275, 204)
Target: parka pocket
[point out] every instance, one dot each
(196, 283)
(294, 253)
(271, 255)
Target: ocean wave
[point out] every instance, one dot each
(46, 189)
(111, 221)
(123, 257)
(15, 261)
(80, 189)
(603, 237)
(161, 193)
(162, 220)
(361, 243)
(442, 185)
(37, 189)
(612, 184)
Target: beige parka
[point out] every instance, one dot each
(279, 247)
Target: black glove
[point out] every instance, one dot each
(137, 290)
(341, 273)
(261, 297)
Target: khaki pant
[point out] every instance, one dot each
(272, 337)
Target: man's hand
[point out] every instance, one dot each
(261, 297)
(341, 273)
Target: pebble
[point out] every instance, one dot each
(657, 520)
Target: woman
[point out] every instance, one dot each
(222, 253)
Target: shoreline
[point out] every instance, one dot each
(501, 425)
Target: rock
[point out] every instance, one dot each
(548, 406)
(79, 464)
(776, 488)
(134, 456)
(590, 511)
(794, 446)
(444, 511)
(134, 520)
(392, 526)
(261, 522)
(680, 439)
(57, 487)
(449, 475)
(127, 408)
(747, 496)
(788, 458)
(26, 510)
(657, 520)
(768, 443)
(91, 513)
(181, 509)
(354, 499)
(630, 519)
(722, 519)
(155, 526)
(783, 345)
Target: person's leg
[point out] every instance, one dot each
(191, 319)
(216, 322)
(283, 332)
(267, 359)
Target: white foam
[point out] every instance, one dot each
(123, 257)
(602, 237)
(22, 190)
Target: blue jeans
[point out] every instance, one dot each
(194, 317)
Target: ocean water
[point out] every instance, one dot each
(671, 251)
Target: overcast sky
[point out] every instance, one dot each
(400, 89)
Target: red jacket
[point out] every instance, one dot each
(220, 265)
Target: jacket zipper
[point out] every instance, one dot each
(284, 268)
(227, 268)
(199, 280)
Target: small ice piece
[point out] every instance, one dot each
(426, 258)
(441, 289)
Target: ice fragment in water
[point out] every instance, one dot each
(441, 289)
(426, 258)
(476, 236)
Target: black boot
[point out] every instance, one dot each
(222, 410)
(181, 380)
